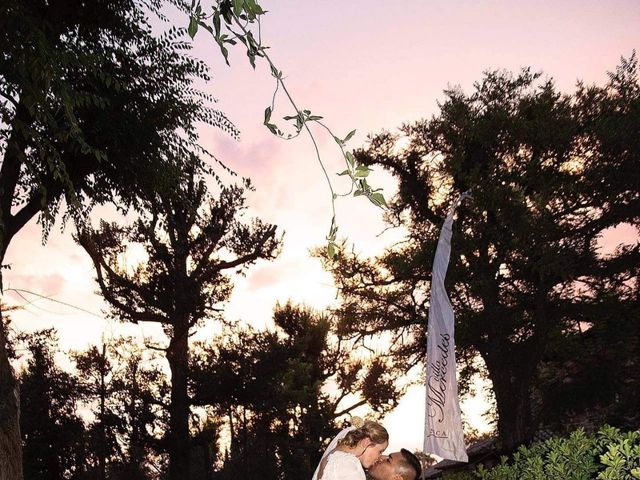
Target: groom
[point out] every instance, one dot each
(402, 465)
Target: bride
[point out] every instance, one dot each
(354, 449)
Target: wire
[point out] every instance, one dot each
(21, 291)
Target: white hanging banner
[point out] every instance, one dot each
(443, 434)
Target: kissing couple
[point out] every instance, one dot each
(359, 448)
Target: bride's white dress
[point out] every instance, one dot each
(341, 466)
(338, 465)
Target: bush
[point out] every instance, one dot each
(608, 455)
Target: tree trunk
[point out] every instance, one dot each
(10, 441)
(136, 447)
(232, 432)
(209, 460)
(102, 453)
(178, 356)
(10, 224)
(511, 387)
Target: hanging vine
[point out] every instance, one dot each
(239, 21)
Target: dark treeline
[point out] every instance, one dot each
(260, 405)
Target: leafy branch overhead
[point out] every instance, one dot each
(238, 21)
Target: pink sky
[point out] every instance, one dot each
(368, 65)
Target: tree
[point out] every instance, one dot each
(90, 109)
(274, 388)
(123, 388)
(97, 370)
(204, 449)
(549, 174)
(591, 374)
(193, 241)
(54, 434)
(10, 440)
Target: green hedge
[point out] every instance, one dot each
(608, 455)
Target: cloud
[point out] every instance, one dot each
(268, 276)
(48, 285)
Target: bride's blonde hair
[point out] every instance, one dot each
(367, 429)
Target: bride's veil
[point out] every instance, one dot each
(332, 446)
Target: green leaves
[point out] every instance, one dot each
(572, 458)
(358, 174)
(342, 141)
(350, 160)
(234, 14)
(377, 199)
(362, 171)
(267, 122)
(237, 7)
(332, 246)
(195, 17)
(193, 27)
(622, 458)
(216, 24)
(248, 8)
(349, 135)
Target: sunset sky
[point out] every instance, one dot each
(365, 65)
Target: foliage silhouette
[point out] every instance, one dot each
(193, 242)
(272, 387)
(550, 174)
(83, 121)
(55, 438)
(125, 389)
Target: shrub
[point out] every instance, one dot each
(608, 455)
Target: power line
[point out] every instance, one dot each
(21, 291)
